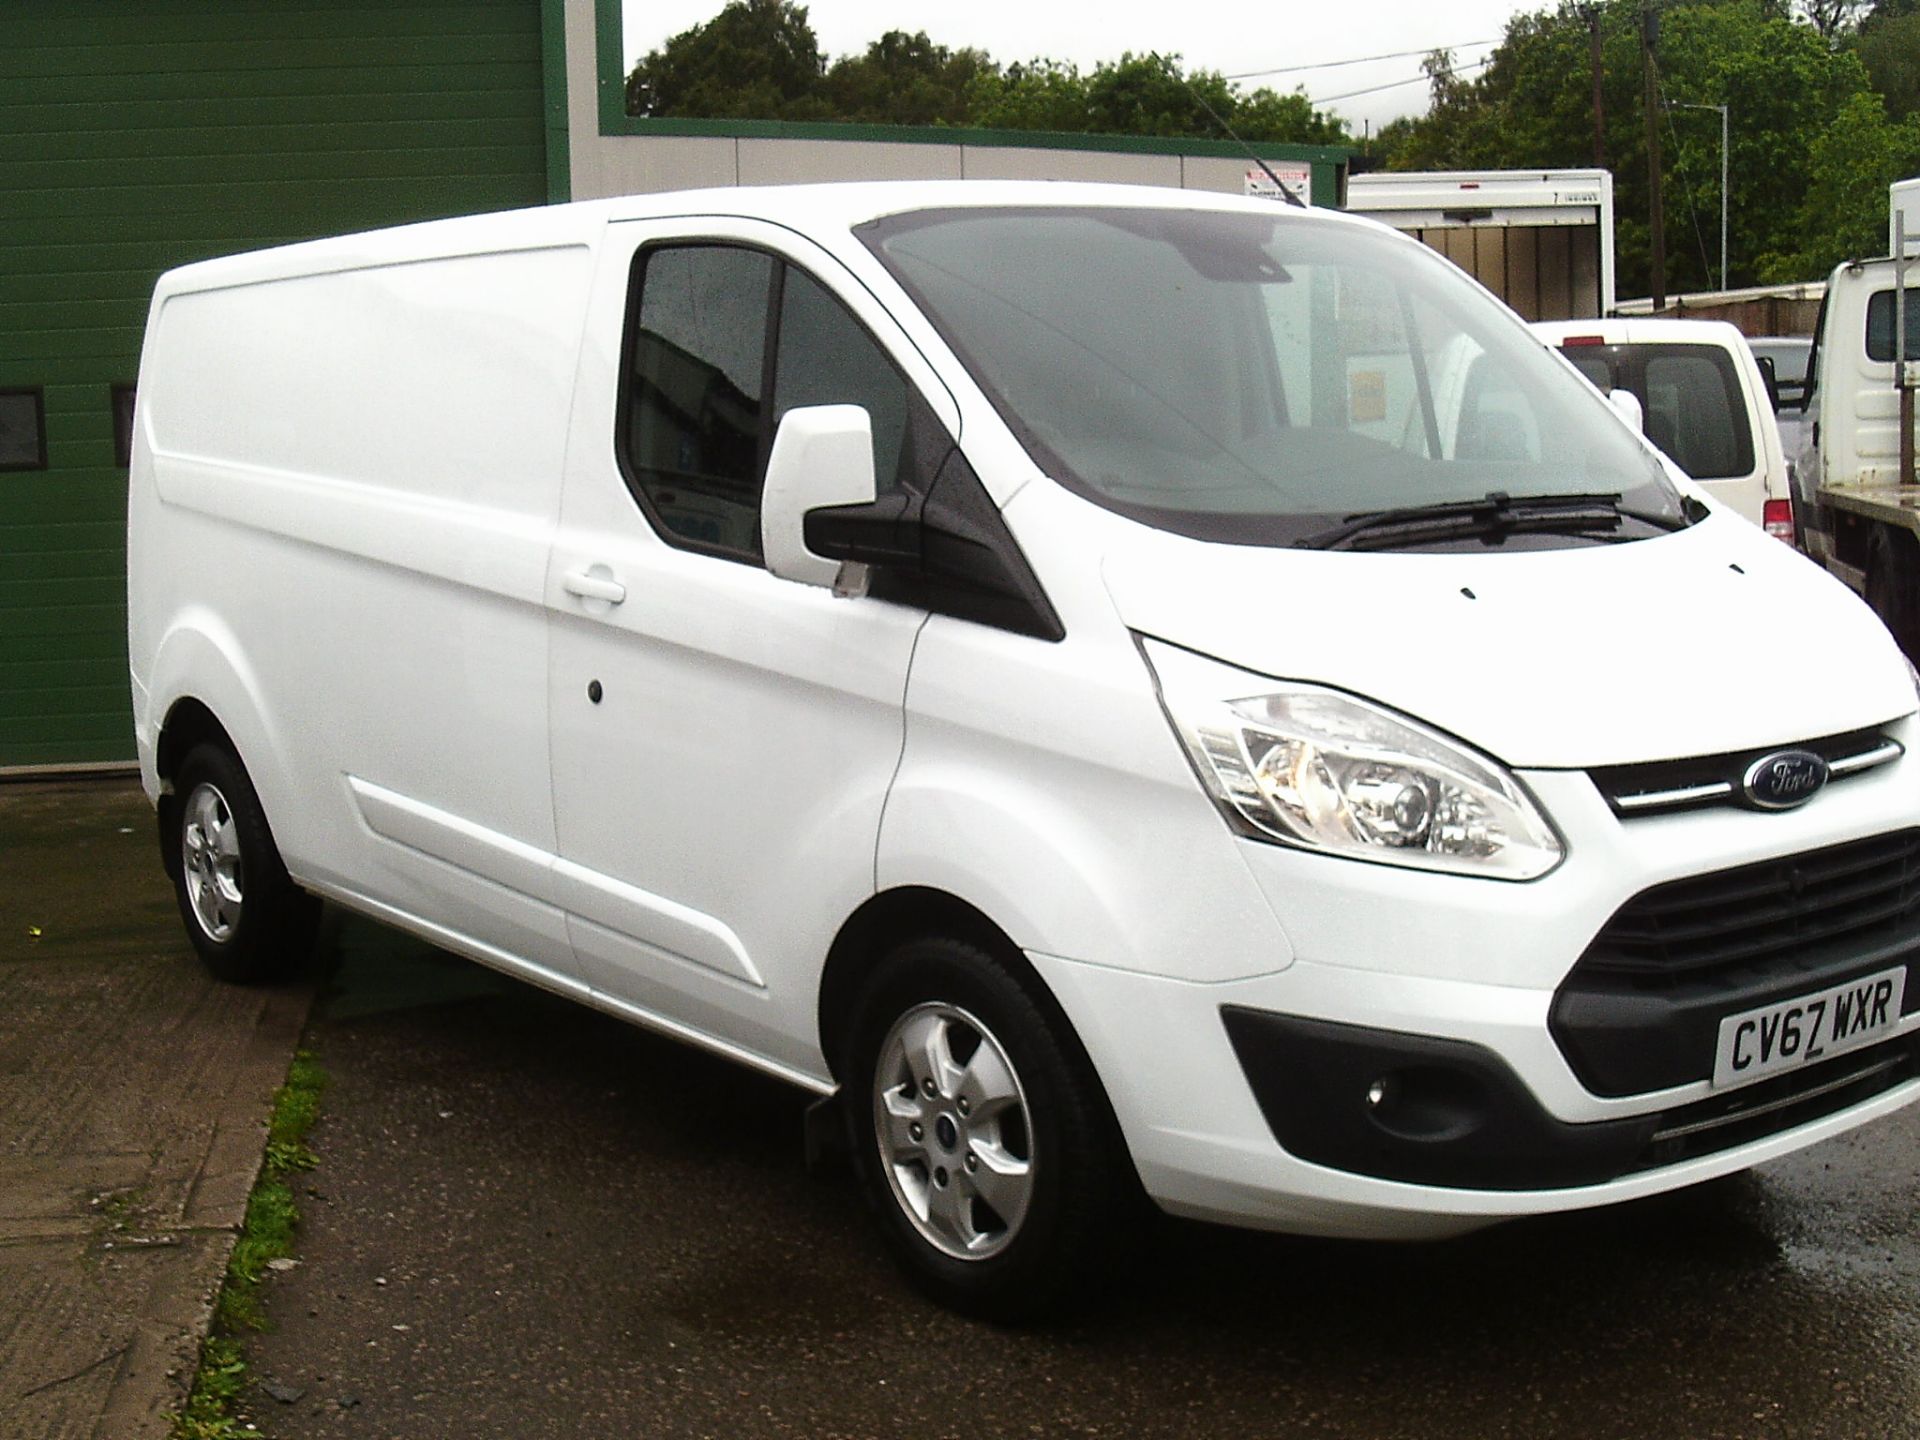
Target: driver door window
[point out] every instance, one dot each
(696, 366)
(707, 378)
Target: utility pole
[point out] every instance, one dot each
(1656, 221)
(1591, 13)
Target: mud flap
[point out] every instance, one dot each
(825, 1130)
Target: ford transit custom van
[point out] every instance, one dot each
(1116, 691)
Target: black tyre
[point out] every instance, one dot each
(1893, 586)
(980, 1134)
(247, 919)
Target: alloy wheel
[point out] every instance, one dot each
(210, 859)
(954, 1131)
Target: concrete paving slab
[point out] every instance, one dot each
(134, 1094)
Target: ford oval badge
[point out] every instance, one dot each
(1784, 779)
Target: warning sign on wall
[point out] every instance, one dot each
(1296, 175)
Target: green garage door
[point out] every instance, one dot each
(140, 134)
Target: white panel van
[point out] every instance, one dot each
(1114, 690)
(1704, 402)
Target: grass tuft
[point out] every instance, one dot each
(265, 1234)
(209, 1410)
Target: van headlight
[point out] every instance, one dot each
(1327, 771)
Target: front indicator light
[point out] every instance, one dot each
(1317, 768)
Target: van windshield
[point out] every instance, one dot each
(1255, 378)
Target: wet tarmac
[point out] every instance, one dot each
(531, 1220)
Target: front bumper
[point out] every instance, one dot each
(1246, 1101)
(1444, 1112)
(1204, 1145)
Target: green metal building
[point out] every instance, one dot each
(136, 135)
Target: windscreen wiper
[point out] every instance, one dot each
(1495, 516)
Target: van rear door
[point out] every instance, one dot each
(1698, 410)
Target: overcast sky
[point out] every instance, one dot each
(1231, 36)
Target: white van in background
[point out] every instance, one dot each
(1705, 404)
(1787, 359)
(1860, 519)
(1112, 689)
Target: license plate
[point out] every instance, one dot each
(1807, 1028)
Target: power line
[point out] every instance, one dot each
(1395, 84)
(1358, 60)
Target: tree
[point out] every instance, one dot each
(1387, 147)
(1266, 115)
(1531, 107)
(1832, 18)
(1034, 95)
(1844, 212)
(1147, 95)
(759, 59)
(1889, 46)
(755, 60)
(906, 80)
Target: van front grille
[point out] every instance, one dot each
(1662, 786)
(1736, 918)
(1641, 1010)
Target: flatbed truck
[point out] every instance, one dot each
(1856, 494)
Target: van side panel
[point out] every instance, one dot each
(354, 480)
(1057, 800)
(444, 378)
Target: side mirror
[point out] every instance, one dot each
(822, 457)
(1772, 376)
(943, 547)
(1628, 404)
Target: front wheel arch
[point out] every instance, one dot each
(891, 919)
(189, 725)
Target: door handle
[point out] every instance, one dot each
(594, 584)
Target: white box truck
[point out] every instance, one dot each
(1856, 478)
(1542, 240)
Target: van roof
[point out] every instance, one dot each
(815, 209)
(1661, 331)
